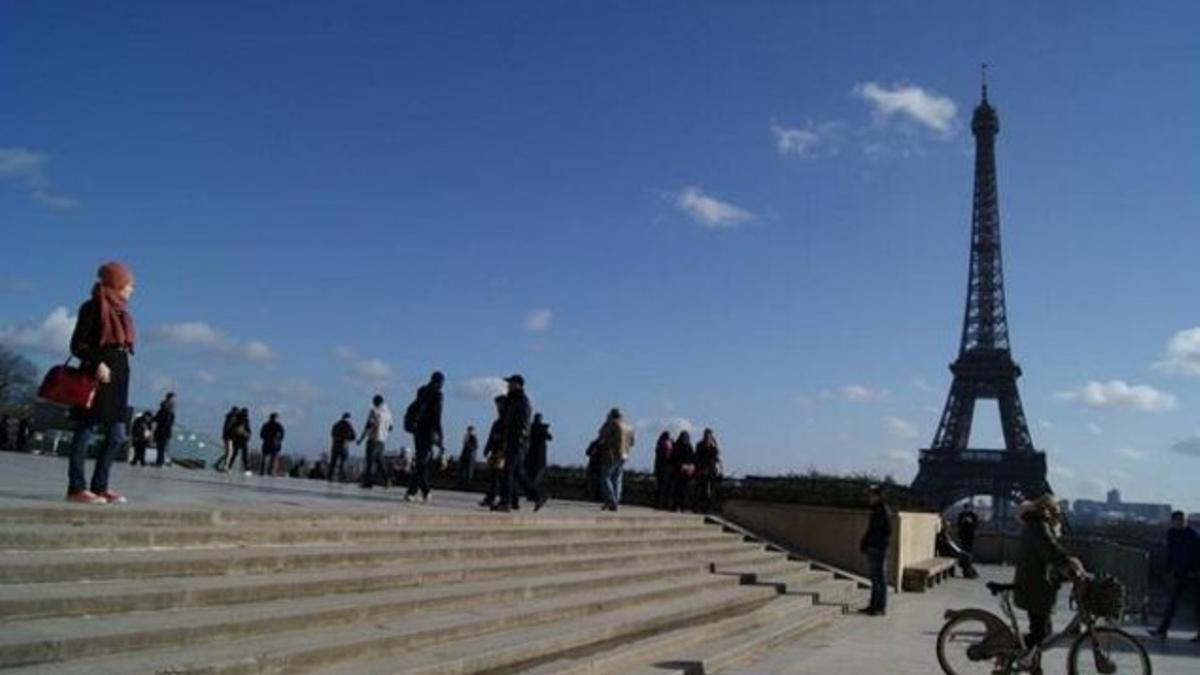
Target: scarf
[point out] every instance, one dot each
(116, 323)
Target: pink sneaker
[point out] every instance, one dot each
(85, 497)
(112, 497)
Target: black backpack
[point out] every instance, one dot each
(413, 414)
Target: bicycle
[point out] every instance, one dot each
(978, 641)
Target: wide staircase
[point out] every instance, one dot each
(139, 590)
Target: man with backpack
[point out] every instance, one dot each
(375, 433)
(423, 419)
(271, 435)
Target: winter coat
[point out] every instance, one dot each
(878, 536)
(494, 449)
(164, 420)
(341, 435)
(616, 441)
(708, 456)
(111, 403)
(429, 402)
(1041, 564)
(539, 439)
(517, 414)
(1183, 551)
(272, 436)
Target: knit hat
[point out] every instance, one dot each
(115, 275)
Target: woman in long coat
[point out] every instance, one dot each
(1042, 565)
(103, 341)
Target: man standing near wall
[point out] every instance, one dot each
(875, 543)
(1183, 563)
(164, 426)
(968, 522)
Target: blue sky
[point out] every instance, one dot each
(748, 215)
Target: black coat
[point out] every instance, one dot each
(111, 403)
(429, 423)
(164, 420)
(878, 536)
(682, 453)
(272, 436)
(342, 435)
(517, 414)
(1041, 566)
(539, 438)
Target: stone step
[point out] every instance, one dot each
(310, 643)
(387, 514)
(521, 650)
(843, 594)
(19, 567)
(711, 656)
(46, 537)
(75, 598)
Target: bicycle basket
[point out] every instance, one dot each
(1103, 597)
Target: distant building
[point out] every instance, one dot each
(1113, 510)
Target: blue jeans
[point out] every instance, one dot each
(610, 482)
(114, 438)
(877, 564)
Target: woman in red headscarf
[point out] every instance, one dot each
(103, 341)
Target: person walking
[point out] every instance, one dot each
(23, 433)
(683, 462)
(103, 340)
(227, 439)
(662, 471)
(271, 435)
(536, 459)
(340, 437)
(375, 433)
(466, 458)
(240, 436)
(874, 544)
(141, 435)
(593, 473)
(967, 525)
(423, 420)
(616, 438)
(1183, 564)
(708, 471)
(164, 426)
(493, 452)
(516, 433)
(1042, 564)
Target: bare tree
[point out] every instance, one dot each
(18, 379)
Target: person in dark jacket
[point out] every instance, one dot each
(466, 458)
(142, 432)
(593, 471)
(340, 437)
(23, 431)
(103, 340)
(516, 425)
(708, 471)
(1042, 564)
(1183, 564)
(683, 461)
(164, 426)
(227, 439)
(662, 471)
(428, 433)
(968, 523)
(874, 544)
(493, 452)
(241, 441)
(535, 460)
(271, 435)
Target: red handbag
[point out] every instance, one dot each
(67, 386)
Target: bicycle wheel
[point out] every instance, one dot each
(953, 642)
(1107, 650)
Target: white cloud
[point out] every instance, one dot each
(205, 377)
(345, 353)
(907, 457)
(1095, 429)
(926, 108)
(922, 385)
(1046, 424)
(51, 335)
(1119, 394)
(710, 212)
(480, 388)
(1062, 471)
(292, 388)
(28, 169)
(538, 320)
(900, 428)
(200, 335)
(855, 393)
(809, 142)
(1188, 446)
(373, 369)
(1182, 355)
(1132, 453)
(674, 425)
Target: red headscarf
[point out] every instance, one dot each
(116, 323)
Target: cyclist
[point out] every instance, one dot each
(1042, 564)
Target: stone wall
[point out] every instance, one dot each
(831, 535)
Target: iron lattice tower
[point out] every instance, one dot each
(984, 369)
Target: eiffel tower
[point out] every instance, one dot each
(949, 470)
